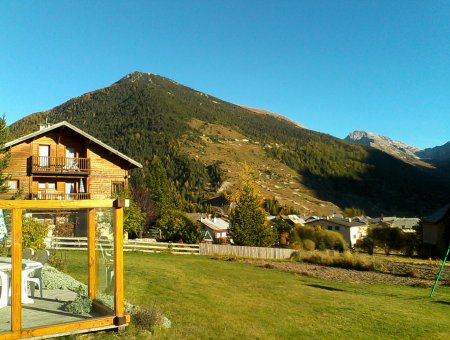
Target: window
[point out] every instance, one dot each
(336, 228)
(224, 234)
(12, 184)
(117, 187)
(47, 185)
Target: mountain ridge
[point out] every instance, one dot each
(143, 115)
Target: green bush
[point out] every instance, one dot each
(33, 234)
(81, 305)
(322, 239)
(177, 227)
(308, 245)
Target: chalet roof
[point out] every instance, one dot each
(405, 223)
(294, 218)
(215, 223)
(345, 222)
(438, 215)
(77, 130)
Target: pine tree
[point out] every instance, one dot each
(4, 154)
(161, 189)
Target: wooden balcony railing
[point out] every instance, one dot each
(43, 195)
(60, 165)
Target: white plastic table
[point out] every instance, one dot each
(5, 268)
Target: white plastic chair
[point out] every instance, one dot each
(5, 289)
(27, 253)
(36, 278)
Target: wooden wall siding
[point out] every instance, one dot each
(17, 168)
(103, 173)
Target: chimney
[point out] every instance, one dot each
(349, 219)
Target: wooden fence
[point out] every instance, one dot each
(241, 251)
(148, 246)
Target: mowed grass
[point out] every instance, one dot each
(215, 299)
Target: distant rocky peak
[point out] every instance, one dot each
(395, 148)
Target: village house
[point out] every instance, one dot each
(62, 162)
(436, 229)
(351, 229)
(214, 229)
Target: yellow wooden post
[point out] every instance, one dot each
(16, 271)
(92, 270)
(118, 262)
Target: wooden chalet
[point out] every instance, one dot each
(62, 162)
(62, 170)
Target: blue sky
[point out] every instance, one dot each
(333, 66)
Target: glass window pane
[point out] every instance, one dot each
(55, 289)
(5, 270)
(105, 258)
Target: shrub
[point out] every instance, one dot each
(345, 260)
(308, 245)
(33, 234)
(147, 318)
(57, 260)
(176, 226)
(323, 239)
(81, 305)
(295, 256)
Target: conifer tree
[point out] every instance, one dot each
(161, 189)
(4, 154)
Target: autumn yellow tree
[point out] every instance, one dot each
(248, 220)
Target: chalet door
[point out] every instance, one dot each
(70, 190)
(44, 154)
(70, 158)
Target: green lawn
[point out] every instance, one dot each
(214, 299)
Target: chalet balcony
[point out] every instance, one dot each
(60, 165)
(45, 195)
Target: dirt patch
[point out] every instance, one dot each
(396, 273)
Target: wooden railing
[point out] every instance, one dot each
(60, 165)
(147, 246)
(42, 195)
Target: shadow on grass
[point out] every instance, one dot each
(443, 302)
(325, 287)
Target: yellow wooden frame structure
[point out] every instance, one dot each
(113, 321)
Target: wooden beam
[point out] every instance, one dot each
(16, 271)
(55, 204)
(118, 259)
(92, 269)
(68, 327)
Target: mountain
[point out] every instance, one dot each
(439, 157)
(438, 153)
(203, 141)
(395, 148)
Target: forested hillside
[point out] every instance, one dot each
(144, 115)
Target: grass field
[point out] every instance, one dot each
(215, 299)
